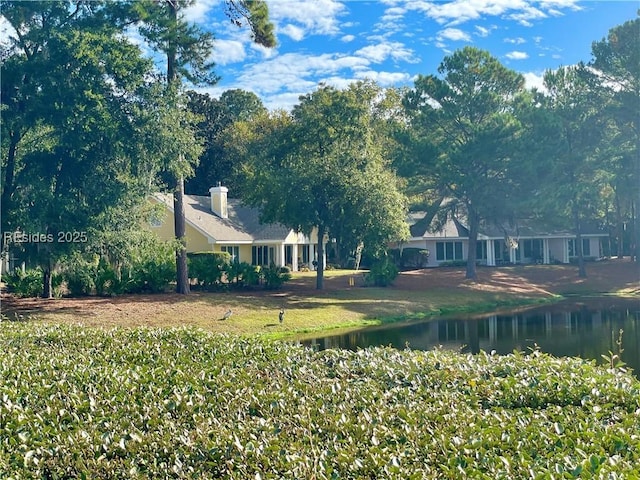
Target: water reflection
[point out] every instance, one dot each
(586, 329)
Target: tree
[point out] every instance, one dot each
(573, 184)
(324, 156)
(187, 49)
(217, 164)
(70, 164)
(464, 128)
(616, 67)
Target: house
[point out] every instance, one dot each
(217, 223)
(527, 242)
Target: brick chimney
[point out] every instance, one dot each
(219, 200)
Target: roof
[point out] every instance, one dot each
(456, 228)
(243, 224)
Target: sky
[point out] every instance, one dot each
(337, 42)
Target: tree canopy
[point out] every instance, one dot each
(323, 155)
(69, 138)
(465, 127)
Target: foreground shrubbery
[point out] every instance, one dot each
(181, 403)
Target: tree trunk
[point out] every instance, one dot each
(182, 270)
(473, 240)
(7, 184)
(635, 232)
(47, 287)
(582, 271)
(619, 228)
(320, 260)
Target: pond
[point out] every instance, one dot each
(586, 328)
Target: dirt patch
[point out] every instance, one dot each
(619, 277)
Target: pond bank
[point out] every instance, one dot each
(415, 294)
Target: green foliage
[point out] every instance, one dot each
(382, 273)
(464, 137)
(410, 257)
(151, 403)
(217, 162)
(326, 150)
(242, 274)
(107, 281)
(80, 273)
(274, 277)
(453, 263)
(153, 267)
(208, 268)
(29, 282)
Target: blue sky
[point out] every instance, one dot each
(392, 41)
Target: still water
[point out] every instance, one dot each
(587, 328)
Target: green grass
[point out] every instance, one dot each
(340, 307)
(78, 402)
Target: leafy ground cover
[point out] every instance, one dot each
(414, 294)
(78, 402)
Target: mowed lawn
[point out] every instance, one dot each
(415, 294)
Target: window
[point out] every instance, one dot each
(448, 251)
(232, 250)
(305, 254)
(262, 255)
(481, 250)
(586, 247)
(533, 248)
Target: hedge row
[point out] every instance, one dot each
(182, 403)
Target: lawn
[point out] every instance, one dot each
(415, 294)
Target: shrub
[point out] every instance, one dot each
(242, 274)
(207, 268)
(30, 282)
(453, 263)
(107, 281)
(411, 257)
(382, 273)
(153, 266)
(79, 274)
(274, 277)
(77, 402)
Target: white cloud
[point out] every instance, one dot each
(526, 14)
(516, 55)
(515, 41)
(337, 82)
(316, 16)
(228, 51)
(199, 11)
(293, 32)
(457, 12)
(482, 31)
(384, 79)
(534, 80)
(7, 32)
(294, 71)
(453, 34)
(380, 52)
(348, 38)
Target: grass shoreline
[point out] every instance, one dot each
(415, 296)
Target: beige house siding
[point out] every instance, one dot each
(240, 229)
(196, 241)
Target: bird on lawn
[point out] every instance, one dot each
(281, 315)
(227, 315)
